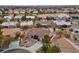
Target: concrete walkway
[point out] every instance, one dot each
(35, 47)
(72, 44)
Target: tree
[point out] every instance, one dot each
(24, 27)
(1, 20)
(54, 28)
(6, 41)
(66, 34)
(14, 15)
(1, 40)
(44, 48)
(46, 43)
(49, 49)
(54, 49)
(17, 35)
(46, 39)
(23, 18)
(38, 25)
(22, 35)
(1, 36)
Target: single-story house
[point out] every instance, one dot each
(36, 33)
(18, 17)
(45, 22)
(22, 12)
(63, 23)
(9, 24)
(16, 11)
(31, 17)
(10, 11)
(8, 18)
(26, 23)
(63, 16)
(35, 12)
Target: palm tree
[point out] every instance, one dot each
(6, 41)
(1, 40)
(46, 39)
(33, 22)
(1, 36)
(22, 35)
(47, 48)
(23, 18)
(17, 35)
(1, 20)
(66, 34)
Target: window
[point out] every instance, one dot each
(76, 31)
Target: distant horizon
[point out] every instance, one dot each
(39, 6)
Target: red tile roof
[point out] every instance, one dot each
(37, 31)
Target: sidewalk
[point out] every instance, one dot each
(35, 47)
